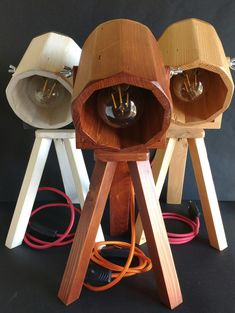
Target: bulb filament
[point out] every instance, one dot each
(188, 86)
(122, 106)
(47, 91)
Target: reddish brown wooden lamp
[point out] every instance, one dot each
(121, 109)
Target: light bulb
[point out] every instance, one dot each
(188, 86)
(44, 91)
(118, 106)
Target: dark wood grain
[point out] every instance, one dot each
(155, 232)
(159, 248)
(84, 239)
(121, 52)
(121, 200)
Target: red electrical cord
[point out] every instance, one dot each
(118, 272)
(62, 239)
(178, 239)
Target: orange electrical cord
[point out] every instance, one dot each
(145, 263)
(118, 272)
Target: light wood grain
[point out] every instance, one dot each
(176, 172)
(73, 172)
(160, 167)
(207, 194)
(46, 56)
(28, 192)
(193, 43)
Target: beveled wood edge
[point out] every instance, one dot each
(109, 156)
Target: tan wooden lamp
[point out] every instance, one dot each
(121, 108)
(200, 95)
(40, 95)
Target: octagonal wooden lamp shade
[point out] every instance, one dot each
(121, 52)
(194, 44)
(41, 64)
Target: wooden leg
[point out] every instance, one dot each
(79, 177)
(65, 170)
(121, 199)
(176, 172)
(159, 168)
(161, 164)
(28, 192)
(84, 240)
(155, 231)
(207, 193)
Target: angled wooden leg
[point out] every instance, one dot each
(80, 177)
(77, 165)
(161, 164)
(28, 191)
(85, 235)
(155, 231)
(160, 167)
(65, 170)
(207, 193)
(176, 172)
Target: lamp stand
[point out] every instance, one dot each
(194, 138)
(150, 211)
(73, 172)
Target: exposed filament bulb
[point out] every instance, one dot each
(118, 106)
(188, 85)
(48, 89)
(123, 105)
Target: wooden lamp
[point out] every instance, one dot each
(40, 95)
(205, 88)
(121, 109)
(201, 93)
(37, 92)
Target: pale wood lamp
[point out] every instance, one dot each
(41, 96)
(121, 109)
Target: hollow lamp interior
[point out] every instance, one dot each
(44, 91)
(120, 106)
(189, 85)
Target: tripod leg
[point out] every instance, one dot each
(155, 231)
(161, 164)
(65, 170)
(79, 177)
(207, 193)
(85, 235)
(176, 172)
(159, 168)
(28, 191)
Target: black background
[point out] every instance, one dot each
(22, 20)
(30, 279)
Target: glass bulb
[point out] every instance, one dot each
(188, 86)
(44, 91)
(118, 106)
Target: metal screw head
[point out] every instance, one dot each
(67, 72)
(11, 69)
(175, 71)
(232, 64)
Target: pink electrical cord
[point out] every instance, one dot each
(178, 239)
(67, 237)
(62, 239)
